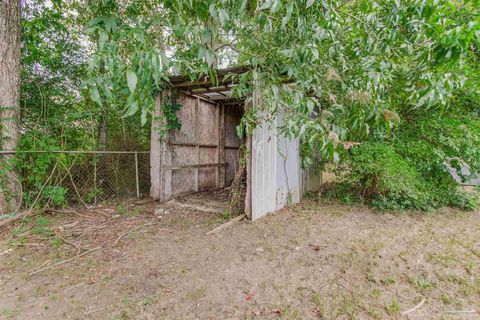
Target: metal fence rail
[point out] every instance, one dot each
(72, 178)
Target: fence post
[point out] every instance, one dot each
(136, 174)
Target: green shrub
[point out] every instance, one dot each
(412, 168)
(378, 175)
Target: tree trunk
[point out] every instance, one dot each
(9, 92)
(102, 133)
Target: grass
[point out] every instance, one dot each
(393, 308)
(196, 294)
(9, 313)
(423, 284)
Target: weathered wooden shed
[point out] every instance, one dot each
(204, 152)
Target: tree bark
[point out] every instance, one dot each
(9, 91)
(102, 133)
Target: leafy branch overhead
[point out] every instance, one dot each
(355, 66)
(379, 87)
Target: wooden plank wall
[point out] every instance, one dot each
(203, 153)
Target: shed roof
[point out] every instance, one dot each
(216, 90)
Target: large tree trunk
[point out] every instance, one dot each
(9, 91)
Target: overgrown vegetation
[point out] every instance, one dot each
(412, 168)
(397, 77)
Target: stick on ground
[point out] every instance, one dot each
(404, 313)
(129, 231)
(62, 262)
(227, 224)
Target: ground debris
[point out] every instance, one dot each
(311, 263)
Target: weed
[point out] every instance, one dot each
(41, 226)
(148, 301)
(446, 299)
(375, 314)
(387, 281)
(18, 242)
(320, 305)
(196, 294)
(469, 267)
(423, 284)
(376, 293)
(121, 210)
(9, 313)
(393, 308)
(19, 230)
(226, 215)
(349, 306)
(56, 242)
(287, 313)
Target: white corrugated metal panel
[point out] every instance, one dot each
(263, 170)
(276, 175)
(275, 170)
(288, 181)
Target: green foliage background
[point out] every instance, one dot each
(412, 168)
(382, 89)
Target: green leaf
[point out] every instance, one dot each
(223, 16)
(131, 80)
(310, 3)
(102, 38)
(211, 9)
(209, 56)
(314, 52)
(95, 95)
(143, 117)
(131, 109)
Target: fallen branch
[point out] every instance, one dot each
(130, 231)
(236, 203)
(414, 308)
(73, 184)
(62, 262)
(75, 286)
(96, 310)
(193, 207)
(144, 201)
(102, 213)
(227, 224)
(69, 242)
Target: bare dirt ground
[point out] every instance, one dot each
(309, 261)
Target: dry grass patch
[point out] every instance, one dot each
(309, 261)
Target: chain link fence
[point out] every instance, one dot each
(72, 178)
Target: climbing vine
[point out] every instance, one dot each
(169, 117)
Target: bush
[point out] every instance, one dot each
(412, 169)
(378, 175)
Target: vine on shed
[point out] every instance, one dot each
(169, 117)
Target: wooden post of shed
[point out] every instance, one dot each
(221, 145)
(160, 154)
(155, 149)
(197, 147)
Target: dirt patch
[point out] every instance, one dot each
(309, 261)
